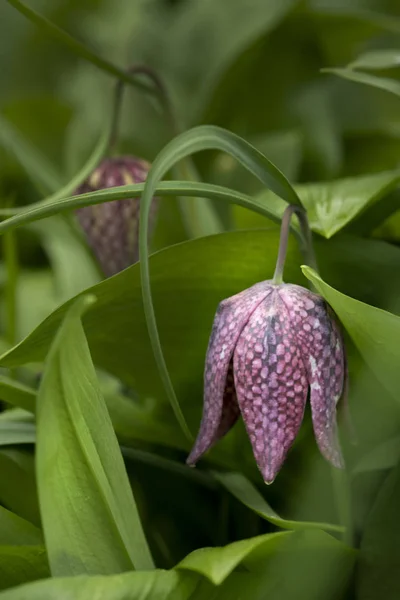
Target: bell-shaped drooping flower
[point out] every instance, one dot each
(271, 347)
(112, 228)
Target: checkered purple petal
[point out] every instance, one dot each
(271, 383)
(220, 407)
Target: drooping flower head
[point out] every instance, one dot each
(271, 347)
(112, 228)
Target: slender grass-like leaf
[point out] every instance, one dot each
(17, 393)
(377, 59)
(90, 520)
(14, 432)
(44, 209)
(200, 138)
(382, 83)
(77, 47)
(240, 487)
(21, 564)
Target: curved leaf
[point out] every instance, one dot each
(14, 432)
(90, 519)
(200, 138)
(45, 208)
(17, 393)
(374, 332)
(240, 487)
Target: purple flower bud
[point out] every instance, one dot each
(270, 346)
(112, 228)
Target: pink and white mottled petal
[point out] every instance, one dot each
(271, 384)
(321, 347)
(219, 408)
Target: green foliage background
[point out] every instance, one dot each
(80, 385)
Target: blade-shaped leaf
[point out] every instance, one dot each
(240, 487)
(377, 59)
(374, 332)
(154, 585)
(90, 520)
(382, 83)
(17, 393)
(14, 432)
(15, 531)
(217, 563)
(200, 138)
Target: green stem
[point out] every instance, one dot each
(343, 503)
(306, 241)
(159, 90)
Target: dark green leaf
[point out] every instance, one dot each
(90, 520)
(21, 564)
(15, 531)
(17, 484)
(380, 551)
(384, 456)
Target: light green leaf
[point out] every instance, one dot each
(154, 585)
(21, 564)
(377, 59)
(374, 332)
(15, 531)
(379, 550)
(90, 520)
(200, 138)
(14, 432)
(17, 393)
(334, 204)
(39, 169)
(382, 83)
(217, 563)
(240, 487)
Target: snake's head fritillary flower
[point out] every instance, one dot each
(271, 347)
(112, 228)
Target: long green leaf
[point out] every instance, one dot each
(240, 487)
(196, 140)
(382, 83)
(17, 393)
(17, 483)
(13, 432)
(15, 531)
(154, 585)
(77, 47)
(377, 59)
(44, 209)
(90, 520)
